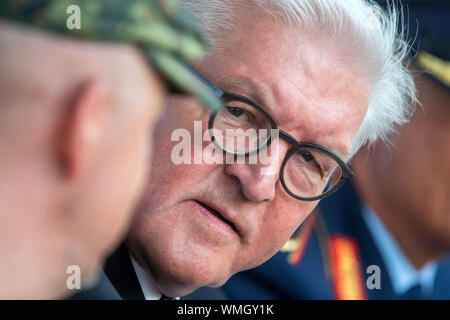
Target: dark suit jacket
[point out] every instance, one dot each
(119, 281)
(334, 262)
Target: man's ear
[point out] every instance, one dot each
(84, 129)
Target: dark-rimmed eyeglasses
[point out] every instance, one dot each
(243, 128)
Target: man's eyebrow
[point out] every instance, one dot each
(341, 150)
(247, 88)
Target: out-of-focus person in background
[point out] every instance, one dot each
(387, 236)
(76, 119)
(311, 68)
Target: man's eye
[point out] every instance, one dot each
(310, 160)
(308, 157)
(238, 113)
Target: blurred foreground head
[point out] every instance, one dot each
(76, 118)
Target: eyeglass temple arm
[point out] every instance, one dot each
(217, 91)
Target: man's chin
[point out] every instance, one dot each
(174, 283)
(182, 290)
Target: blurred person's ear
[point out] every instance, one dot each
(85, 126)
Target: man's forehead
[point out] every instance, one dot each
(310, 88)
(244, 86)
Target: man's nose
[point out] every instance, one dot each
(260, 173)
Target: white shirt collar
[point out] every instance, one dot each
(401, 271)
(148, 286)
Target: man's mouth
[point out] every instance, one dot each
(218, 215)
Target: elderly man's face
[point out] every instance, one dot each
(309, 91)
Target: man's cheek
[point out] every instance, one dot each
(284, 225)
(268, 243)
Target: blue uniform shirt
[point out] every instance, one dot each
(337, 259)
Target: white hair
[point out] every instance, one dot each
(370, 34)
